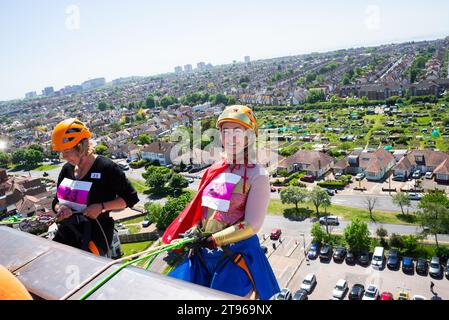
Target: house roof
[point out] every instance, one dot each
(158, 147)
(315, 159)
(443, 168)
(431, 159)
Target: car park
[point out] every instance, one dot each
(313, 251)
(371, 293)
(386, 296)
(393, 260)
(300, 295)
(326, 252)
(364, 258)
(435, 267)
(329, 220)
(357, 292)
(284, 294)
(422, 266)
(350, 257)
(309, 283)
(378, 258)
(275, 234)
(403, 295)
(340, 289)
(407, 265)
(339, 254)
(414, 196)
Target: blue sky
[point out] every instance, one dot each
(43, 44)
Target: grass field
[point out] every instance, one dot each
(140, 186)
(131, 248)
(276, 207)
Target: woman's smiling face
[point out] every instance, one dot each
(233, 138)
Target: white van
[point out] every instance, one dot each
(378, 258)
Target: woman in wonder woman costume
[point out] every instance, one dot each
(230, 209)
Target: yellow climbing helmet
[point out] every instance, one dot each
(242, 115)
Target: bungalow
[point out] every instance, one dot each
(425, 161)
(374, 164)
(315, 163)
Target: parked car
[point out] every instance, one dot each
(446, 272)
(308, 283)
(285, 294)
(273, 189)
(356, 292)
(360, 177)
(378, 258)
(435, 267)
(330, 192)
(386, 296)
(403, 295)
(350, 257)
(429, 175)
(275, 234)
(123, 166)
(414, 196)
(416, 174)
(146, 223)
(393, 260)
(300, 295)
(372, 293)
(407, 265)
(418, 297)
(422, 266)
(308, 178)
(326, 252)
(313, 251)
(364, 258)
(340, 289)
(330, 220)
(339, 254)
(264, 249)
(338, 175)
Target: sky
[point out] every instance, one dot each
(65, 42)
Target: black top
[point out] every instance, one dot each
(108, 183)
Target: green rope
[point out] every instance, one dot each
(172, 246)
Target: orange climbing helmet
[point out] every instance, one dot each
(68, 133)
(242, 115)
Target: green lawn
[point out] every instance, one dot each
(46, 167)
(133, 229)
(131, 248)
(139, 185)
(277, 208)
(134, 221)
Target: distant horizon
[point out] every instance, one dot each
(63, 44)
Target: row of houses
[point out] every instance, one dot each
(375, 164)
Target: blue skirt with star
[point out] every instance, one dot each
(210, 270)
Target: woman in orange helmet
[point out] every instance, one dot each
(226, 214)
(90, 185)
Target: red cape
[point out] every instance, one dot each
(192, 213)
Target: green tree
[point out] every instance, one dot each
(319, 198)
(102, 106)
(357, 235)
(168, 101)
(410, 244)
(171, 210)
(293, 195)
(101, 149)
(33, 158)
(154, 212)
(157, 179)
(434, 218)
(177, 183)
(18, 157)
(143, 139)
(5, 159)
(318, 234)
(402, 200)
(150, 102)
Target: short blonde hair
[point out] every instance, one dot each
(85, 147)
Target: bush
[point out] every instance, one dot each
(336, 184)
(138, 164)
(395, 241)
